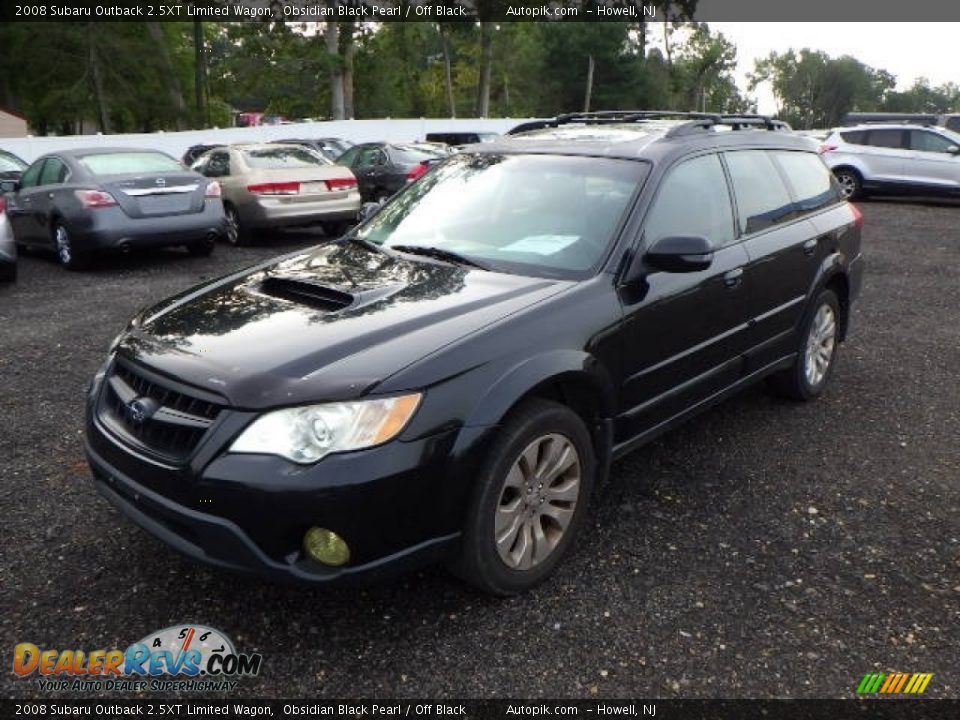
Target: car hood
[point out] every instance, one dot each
(329, 323)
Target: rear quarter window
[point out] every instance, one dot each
(813, 185)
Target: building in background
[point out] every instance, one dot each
(11, 124)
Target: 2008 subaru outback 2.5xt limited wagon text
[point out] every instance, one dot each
(450, 380)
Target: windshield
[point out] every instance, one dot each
(541, 215)
(132, 162)
(282, 157)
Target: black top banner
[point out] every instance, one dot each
(857, 12)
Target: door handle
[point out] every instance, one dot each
(810, 246)
(733, 277)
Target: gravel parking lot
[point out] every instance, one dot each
(765, 549)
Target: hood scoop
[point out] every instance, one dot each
(305, 292)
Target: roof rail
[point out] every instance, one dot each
(696, 122)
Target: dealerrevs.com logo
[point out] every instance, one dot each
(177, 658)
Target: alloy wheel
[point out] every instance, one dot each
(64, 249)
(233, 226)
(537, 501)
(821, 341)
(848, 184)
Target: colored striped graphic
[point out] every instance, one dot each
(894, 683)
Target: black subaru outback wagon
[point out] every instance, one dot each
(450, 380)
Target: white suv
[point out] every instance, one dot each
(901, 159)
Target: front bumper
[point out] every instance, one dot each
(395, 505)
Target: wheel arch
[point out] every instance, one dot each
(574, 379)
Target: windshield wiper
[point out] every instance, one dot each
(439, 254)
(353, 237)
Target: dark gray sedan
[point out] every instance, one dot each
(79, 201)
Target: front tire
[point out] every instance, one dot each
(66, 251)
(530, 499)
(807, 378)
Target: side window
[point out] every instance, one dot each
(762, 198)
(31, 175)
(368, 157)
(813, 185)
(885, 138)
(381, 158)
(929, 142)
(854, 137)
(349, 157)
(699, 183)
(54, 172)
(218, 165)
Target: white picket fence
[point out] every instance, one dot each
(176, 143)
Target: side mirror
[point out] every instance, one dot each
(9, 186)
(680, 253)
(953, 149)
(368, 210)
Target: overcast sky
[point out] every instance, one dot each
(907, 50)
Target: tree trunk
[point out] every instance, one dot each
(447, 69)
(332, 39)
(589, 92)
(100, 96)
(486, 66)
(668, 51)
(169, 74)
(348, 46)
(199, 74)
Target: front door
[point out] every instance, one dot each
(684, 333)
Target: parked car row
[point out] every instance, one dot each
(79, 202)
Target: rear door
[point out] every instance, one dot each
(49, 197)
(776, 192)
(20, 208)
(885, 161)
(684, 333)
(933, 160)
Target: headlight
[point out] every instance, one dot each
(306, 434)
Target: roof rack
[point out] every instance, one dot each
(697, 122)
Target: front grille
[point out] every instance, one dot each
(155, 414)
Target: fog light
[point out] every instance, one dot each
(326, 546)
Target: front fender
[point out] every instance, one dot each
(574, 366)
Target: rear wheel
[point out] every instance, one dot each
(67, 253)
(530, 499)
(808, 376)
(850, 182)
(234, 231)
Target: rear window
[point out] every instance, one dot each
(9, 163)
(812, 183)
(410, 154)
(132, 162)
(272, 159)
